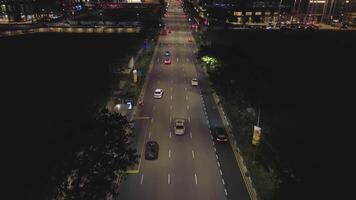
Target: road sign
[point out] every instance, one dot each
(129, 104)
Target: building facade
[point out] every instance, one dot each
(26, 10)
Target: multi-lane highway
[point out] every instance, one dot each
(191, 166)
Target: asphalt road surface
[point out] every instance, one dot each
(191, 166)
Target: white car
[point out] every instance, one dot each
(179, 126)
(158, 93)
(194, 82)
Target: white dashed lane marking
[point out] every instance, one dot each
(141, 179)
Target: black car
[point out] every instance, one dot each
(151, 152)
(220, 135)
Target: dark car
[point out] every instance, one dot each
(220, 135)
(151, 152)
(167, 53)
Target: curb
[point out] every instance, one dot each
(144, 86)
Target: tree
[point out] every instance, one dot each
(102, 162)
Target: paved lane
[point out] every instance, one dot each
(187, 167)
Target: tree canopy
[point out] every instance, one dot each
(98, 166)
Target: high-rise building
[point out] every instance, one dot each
(25, 10)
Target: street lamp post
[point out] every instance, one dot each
(102, 18)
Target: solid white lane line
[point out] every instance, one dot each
(218, 163)
(225, 192)
(149, 135)
(169, 178)
(169, 154)
(141, 179)
(191, 135)
(196, 179)
(220, 172)
(170, 134)
(223, 182)
(193, 154)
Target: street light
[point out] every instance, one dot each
(102, 18)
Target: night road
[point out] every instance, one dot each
(190, 166)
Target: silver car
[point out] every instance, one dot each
(194, 82)
(158, 94)
(179, 126)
